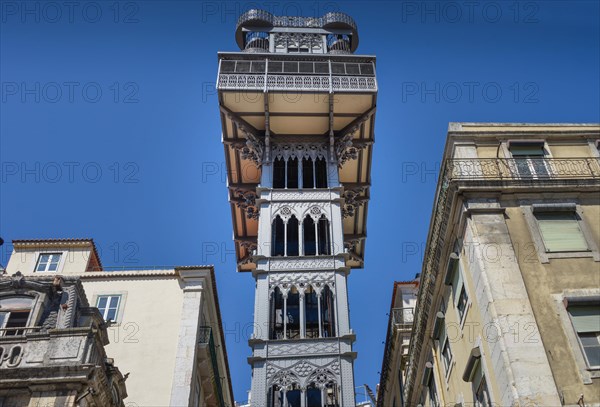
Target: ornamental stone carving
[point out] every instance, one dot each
(247, 202)
(352, 201)
(305, 347)
(301, 264)
(302, 279)
(304, 372)
(299, 151)
(301, 209)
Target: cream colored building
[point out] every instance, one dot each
(508, 312)
(166, 335)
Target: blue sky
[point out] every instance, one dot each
(109, 127)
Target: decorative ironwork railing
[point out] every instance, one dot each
(206, 339)
(521, 168)
(295, 21)
(297, 82)
(479, 169)
(17, 331)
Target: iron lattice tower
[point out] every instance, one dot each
(297, 112)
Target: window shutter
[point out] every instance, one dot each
(586, 318)
(457, 284)
(561, 232)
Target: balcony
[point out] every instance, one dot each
(500, 169)
(402, 318)
(267, 74)
(207, 349)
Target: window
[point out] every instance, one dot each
(561, 231)
(294, 173)
(432, 393)
(446, 355)
(277, 237)
(482, 394)
(586, 321)
(529, 158)
(108, 305)
(461, 305)
(14, 313)
(48, 262)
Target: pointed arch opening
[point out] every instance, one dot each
(308, 177)
(310, 238)
(279, 173)
(292, 173)
(311, 307)
(321, 173)
(276, 314)
(324, 236)
(327, 313)
(293, 244)
(277, 237)
(293, 314)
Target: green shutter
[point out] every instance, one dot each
(457, 284)
(561, 232)
(586, 318)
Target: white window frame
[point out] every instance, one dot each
(109, 297)
(581, 347)
(52, 254)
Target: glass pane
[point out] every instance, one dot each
(366, 69)
(536, 150)
(16, 303)
(275, 66)
(227, 66)
(321, 67)
(338, 68)
(290, 67)
(586, 319)
(306, 67)
(111, 314)
(52, 266)
(55, 258)
(593, 355)
(258, 66)
(2, 318)
(102, 302)
(352, 69)
(242, 66)
(589, 339)
(114, 301)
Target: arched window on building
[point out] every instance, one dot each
(327, 313)
(276, 314)
(279, 173)
(293, 314)
(324, 237)
(277, 237)
(292, 173)
(331, 395)
(310, 238)
(293, 236)
(308, 174)
(313, 396)
(311, 313)
(321, 173)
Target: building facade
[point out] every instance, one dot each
(508, 312)
(395, 356)
(52, 346)
(297, 111)
(165, 331)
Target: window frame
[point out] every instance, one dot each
(59, 263)
(578, 336)
(530, 207)
(120, 307)
(561, 302)
(531, 162)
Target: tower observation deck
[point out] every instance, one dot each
(297, 111)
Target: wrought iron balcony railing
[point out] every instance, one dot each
(265, 74)
(521, 168)
(206, 339)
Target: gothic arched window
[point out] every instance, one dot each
(292, 173)
(279, 173)
(310, 238)
(277, 237)
(311, 313)
(292, 237)
(293, 314)
(327, 313)
(324, 237)
(321, 173)
(276, 314)
(308, 177)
